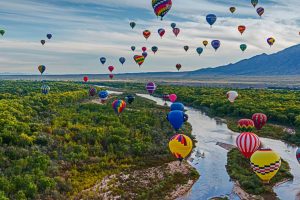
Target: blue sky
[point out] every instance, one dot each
(85, 30)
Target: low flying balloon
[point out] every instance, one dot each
(139, 59)
(122, 60)
(205, 43)
(154, 49)
(265, 163)
(186, 48)
(145, 54)
(180, 146)
(111, 76)
(173, 25)
(199, 50)
(247, 143)
(119, 106)
(243, 47)
(132, 24)
(173, 97)
(211, 19)
(271, 41)
(298, 155)
(231, 96)
(254, 3)
(43, 42)
(111, 68)
(177, 118)
(41, 68)
(177, 106)
(146, 34)
(161, 7)
(130, 99)
(232, 9)
(259, 120)
(260, 11)
(245, 125)
(165, 97)
(144, 49)
(178, 67)
(102, 60)
(161, 32)
(45, 89)
(241, 29)
(103, 95)
(132, 48)
(216, 44)
(92, 91)
(151, 87)
(176, 31)
(49, 36)
(85, 79)
(2, 32)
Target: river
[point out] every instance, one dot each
(214, 180)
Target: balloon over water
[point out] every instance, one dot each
(180, 146)
(247, 143)
(111, 76)
(161, 7)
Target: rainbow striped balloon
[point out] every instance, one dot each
(161, 7)
(139, 59)
(119, 105)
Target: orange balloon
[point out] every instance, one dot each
(242, 29)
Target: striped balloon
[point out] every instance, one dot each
(161, 7)
(139, 59)
(298, 155)
(161, 32)
(247, 143)
(151, 87)
(260, 11)
(245, 125)
(181, 146)
(119, 106)
(259, 120)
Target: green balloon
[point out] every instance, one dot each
(2, 32)
(243, 47)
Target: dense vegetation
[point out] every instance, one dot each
(238, 168)
(53, 146)
(281, 106)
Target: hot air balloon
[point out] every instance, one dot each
(49, 36)
(298, 155)
(232, 95)
(161, 32)
(165, 97)
(139, 59)
(2, 32)
(254, 3)
(41, 68)
(259, 120)
(144, 49)
(232, 9)
(111, 68)
(45, 89)
(130, 99)
(122, 60)
(245, 125)
(186, 48)
(154, 49)
(173, 97)
(243, 47)
(180, 146)
(145, 54)
(146, 34)
(176, 31)
(178, 67)
(111, 76)
(92, 91)
(211, 19)
(265, 163)
(103, 95)
(260, 11)
(216, 44)
(132, 48)
(271, 41)
(102, 60)
(247, 143)
(205, 43)
(151, 87)
(173, 25)
(119, 106)
(241, 29)
(132, 24)
(177, 118)
(85, 79)
(199, 50)
(177, 106)
(161, 7)
(43, 42)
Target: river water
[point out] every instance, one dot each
(214, 180)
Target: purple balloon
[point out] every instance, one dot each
(151, 87)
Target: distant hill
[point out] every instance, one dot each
(285, 62)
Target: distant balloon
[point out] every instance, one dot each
(178, 67)
(231, 96)
(41, 68)
(241, 29)
(111, 76)
(259, 120)
(211, 19)
(247, 143)
(254, 3)
(186, 48)
(132, 24)
(2, 32)
(43, 42)
(145, 54)
(173, 25)
(161, 32)
(45, 89)
(216, 44)
(132, 48)
(177, 106)
(151, 87)
(92, 91)
(130, 99)
(271, 41)
(260, 11)
(180, 146)
(161, 7)
(49, 36)
(146, 34)
(165, 97)
(119, 106)
(111, 68)
(243, 47)
(103, 95)
(176, 31)
(199, 50)
(102, 60)
(245, 125)
(154, 49)
(205, 43)
(298, 155)
(232, 9)
(85, 79)
(144, 49)
(122, 60)
(177, 118)
(139, 59)
(173, 97)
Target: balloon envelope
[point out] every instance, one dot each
(177, 106)
(85, 79)
(199, 50)
(132, 24)
(49, 36)
(173, 97)
(245, 125)
(102, 60)
(154, 49)
(247, 143)
(145, 54)
(186, 48)
(146, 34)
(211, 19)
(260, 11)
(132, 48)
(161, 7)
(103, 95)
(176, 31)
(122, 60)
(241, 29)
(205, 43)
(243, 47)
(216, 44)
(231, 96)
(176, 119)
(254, 3)
(180, 146)
(151, 87)
(42, 68)
(130, 99)
(298, 155)
(2, 32)
(45, 89)
(111, 68)
(43, 42)
(139, 59)
(119, 106)
(92, 91)
(161, 32)
(173, 25)
(259, 120)
(271, 41)
(178, 67)
(232, 9)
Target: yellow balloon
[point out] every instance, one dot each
(205, 42)
(181, 146)
(265, 163)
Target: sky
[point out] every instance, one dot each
(85, 30)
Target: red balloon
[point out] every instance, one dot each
(247, 143)
(146, 34)
(245, 125)
(85, 79)
(111, 68)
(111, 76)
(176, 31)
(241, 29)
(144, 49)
(178, 67)
(259, 120)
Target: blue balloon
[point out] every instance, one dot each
(49, 36)
(216, 44)
(103, 95)
(145, 54)
(177, 118)
(102, 60)
(177, 106)
(173, 25)
(122, 60)
(199, 50)
(132, 48)
(211, 19)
